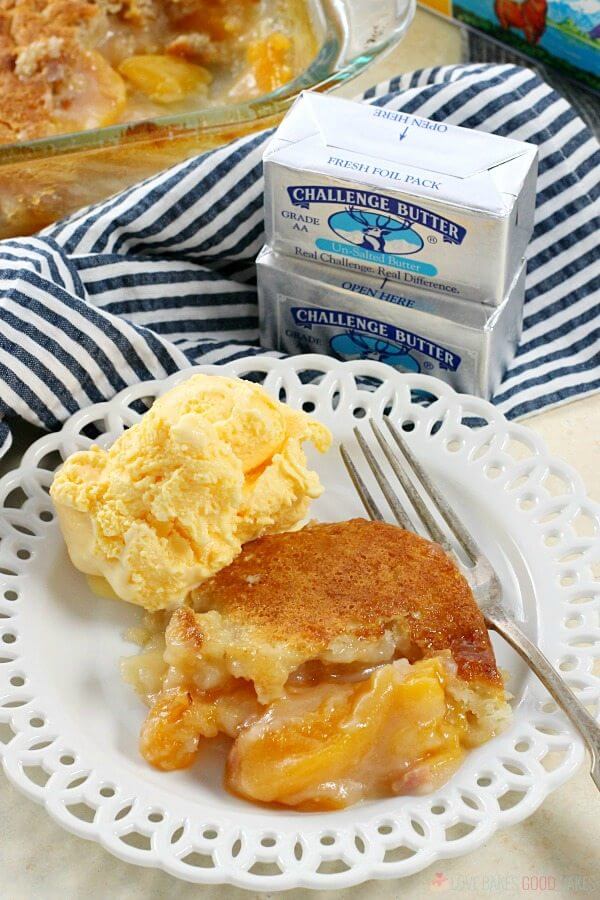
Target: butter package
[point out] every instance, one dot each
(430, 205)
(305, 309)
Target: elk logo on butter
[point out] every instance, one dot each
(376, 231)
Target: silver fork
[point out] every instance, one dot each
(481, 576)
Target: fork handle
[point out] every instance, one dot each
(582, 720)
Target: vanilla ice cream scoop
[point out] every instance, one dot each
(214, 463)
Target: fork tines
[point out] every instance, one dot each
(416, 484)
(480, 574)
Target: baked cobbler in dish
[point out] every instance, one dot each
(346, 661)
(72, 65)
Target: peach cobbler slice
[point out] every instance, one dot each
(346, 661)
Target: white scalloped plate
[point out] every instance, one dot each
(71, 725)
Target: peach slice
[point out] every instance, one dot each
(269, 59)
(173, 731)
(165, 79)
(390, 734)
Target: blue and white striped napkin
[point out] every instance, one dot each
(162, 276)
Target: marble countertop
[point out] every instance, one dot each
(554, 852)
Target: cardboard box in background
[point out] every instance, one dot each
(564, 34)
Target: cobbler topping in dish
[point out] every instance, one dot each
(73, 65)
(316, 589)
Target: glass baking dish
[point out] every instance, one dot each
(47, 179)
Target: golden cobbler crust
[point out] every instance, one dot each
(309, 589)
(40, 41)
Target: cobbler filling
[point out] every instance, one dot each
(72, 65)
(337, 734)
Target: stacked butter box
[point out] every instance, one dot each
(396, 238)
